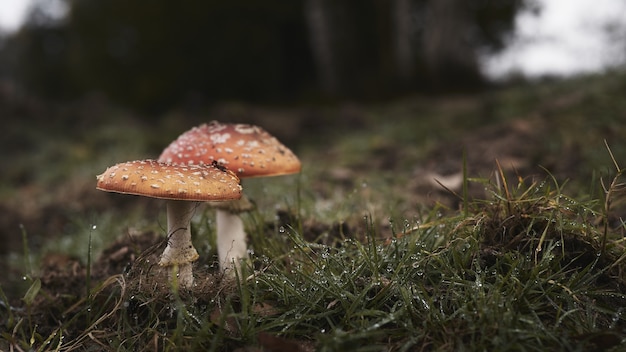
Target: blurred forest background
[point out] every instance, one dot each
(154, 55)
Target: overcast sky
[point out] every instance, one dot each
(567, 37)
(12, 13)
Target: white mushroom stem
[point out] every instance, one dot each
(180, 252)
(231, 240)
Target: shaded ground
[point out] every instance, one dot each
(386, 161)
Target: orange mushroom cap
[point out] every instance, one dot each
(176, 182)
(247, 150)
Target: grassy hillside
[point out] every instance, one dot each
(487, 222)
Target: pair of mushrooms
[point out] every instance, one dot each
(204, 164)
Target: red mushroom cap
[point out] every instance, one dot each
(176, 182)
(247, 150)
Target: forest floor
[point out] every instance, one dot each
(370, 172)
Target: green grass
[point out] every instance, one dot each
(343, 257)
(518, 270)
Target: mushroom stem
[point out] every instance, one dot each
(231, 240)
(180, 251)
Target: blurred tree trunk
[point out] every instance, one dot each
(403, 31)
(448, 50)
(318, 18)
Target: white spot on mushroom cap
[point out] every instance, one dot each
(213, 126)
(246, 129)
(218, 138)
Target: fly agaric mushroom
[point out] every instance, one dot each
(183, 186)
(248, 151)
